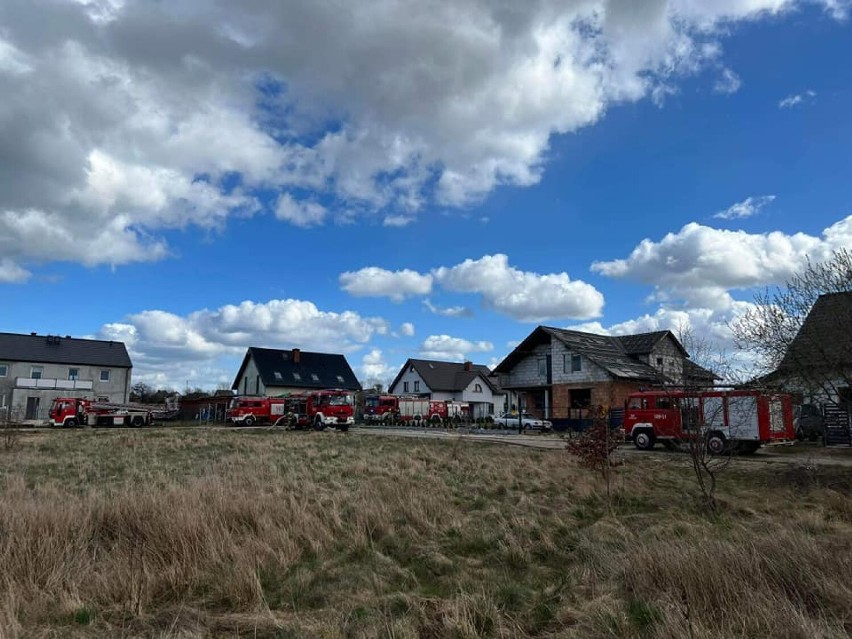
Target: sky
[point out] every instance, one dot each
(391, 179)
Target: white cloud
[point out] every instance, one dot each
(444, 347)
(375, 370)
(448, 311)
(12, 273)
(300, 213)
(796, 99)
(728, 82)
(398, 220)
(122, 119)
(524, 296)
(373, 281)
(700, 264)
(407, 329)
(748, 207)
(167, 346)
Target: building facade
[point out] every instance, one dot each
(458, 381)
(36, 369)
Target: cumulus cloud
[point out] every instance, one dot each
(795, 99)
(373, 281)
(375, 370)
(407, 329)
(748, 207)
(728, 82)
(522, 295)
(448, 311)
(700, 264)
(169, 346)
(444, 347)
(123, 119)
(300, 213)
(12, 273)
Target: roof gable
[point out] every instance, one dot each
(616, 355)
(825, 340)
(447, 376)
(52, 349)
(300, 369)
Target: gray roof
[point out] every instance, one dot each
(315, 371)
(825, 339)
(448, 376)
(615, 354)
(52, 349)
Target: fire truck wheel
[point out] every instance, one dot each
(318, 424)
(138, 421)
(716, 443)
(248, 421)
(71, 423)
(643, 440)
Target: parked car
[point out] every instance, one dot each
(808, 422)
(510, 420)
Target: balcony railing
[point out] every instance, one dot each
(47, 383)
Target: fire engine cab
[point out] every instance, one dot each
(740, 420)
(317, 409)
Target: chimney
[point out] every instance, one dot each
(468, 365)
(297, 355)
(33, 333)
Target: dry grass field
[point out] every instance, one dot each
(217, 533)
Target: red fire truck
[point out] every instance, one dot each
(82, 411)
(318, 409)
(406, 409)
(740, 420)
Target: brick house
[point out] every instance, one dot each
(557, 373)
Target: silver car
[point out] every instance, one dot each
(529, 422)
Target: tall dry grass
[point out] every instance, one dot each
(267, 534)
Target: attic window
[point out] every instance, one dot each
(278, 376)
(340, 378)
(411, 368)
(431, 365)
(297, 377)
(315, 377)
(477, 388)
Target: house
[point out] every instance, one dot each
(460, 381)
(818, 362)
(558, 373)
(35, 369)
(270, 372)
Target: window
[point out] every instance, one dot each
(340, 378)
(542, 367)
(477, 388)
(101, 398)
(278, 376)
(659, 361)
(297, 377)
(638, 403)
(4, 370)
(73, 373)
(315, 377)
(581, 397)
(36, 372)
(105, 375)
(576, 363)
(417, 386)
(405, 387)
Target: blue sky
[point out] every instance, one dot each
(395, 179)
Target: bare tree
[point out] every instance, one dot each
(810, 353)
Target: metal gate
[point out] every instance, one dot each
(837, 425)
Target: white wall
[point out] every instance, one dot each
(412, 376)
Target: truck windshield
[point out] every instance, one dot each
(340, 400)
(371, 402)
